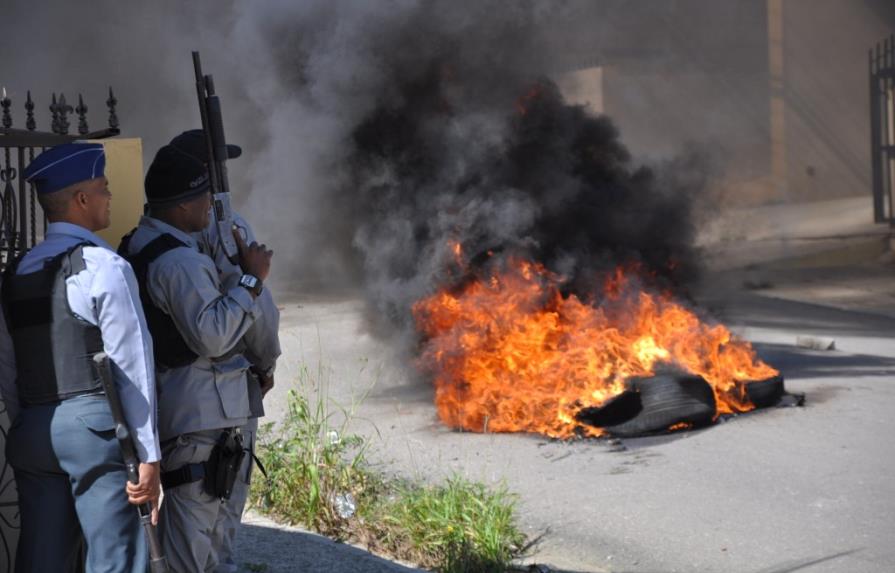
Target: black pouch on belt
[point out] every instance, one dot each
(223, 465)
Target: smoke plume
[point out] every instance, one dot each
(380, 136)
(430, 128)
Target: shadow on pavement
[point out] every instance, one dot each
(264, 549)
(796, 362)
(800, 565)
(765, 312)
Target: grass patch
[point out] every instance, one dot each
(318, 471)
(460, 526)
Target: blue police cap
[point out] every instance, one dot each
(66, 164)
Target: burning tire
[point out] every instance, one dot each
(615, 411)
(668, 400)
(764, 393)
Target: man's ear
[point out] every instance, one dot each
(80, 197)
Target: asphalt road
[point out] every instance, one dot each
(801, 489)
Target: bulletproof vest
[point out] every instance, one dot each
(169, 347)
(54, 347)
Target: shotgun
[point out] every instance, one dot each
(213, 128)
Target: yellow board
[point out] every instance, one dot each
(124, 170)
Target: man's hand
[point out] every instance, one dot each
(148, 490)
(266, 384)
(254, 259)
(265, 381)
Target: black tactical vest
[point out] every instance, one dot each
(169, 347)
(54, 348)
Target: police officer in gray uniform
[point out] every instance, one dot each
(66, 300)
(198, 326)
(261, 344)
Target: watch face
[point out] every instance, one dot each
(248, 281)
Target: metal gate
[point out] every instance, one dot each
(22, 223)
(882, 129)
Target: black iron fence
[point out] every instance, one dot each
(882, 129)
(22, 223)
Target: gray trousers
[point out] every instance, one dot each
(223, 541)
(188, 515)
(71, 477)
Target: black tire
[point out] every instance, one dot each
(615, 411)
(764, 393)
(669, 399)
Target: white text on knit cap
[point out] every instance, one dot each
(198, 181)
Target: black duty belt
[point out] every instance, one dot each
(187, 474)
(26, 403)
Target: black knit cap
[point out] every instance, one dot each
(174, 177)
(193, 142)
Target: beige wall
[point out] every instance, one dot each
(826, 94)
(773, 92)
(124, 170)
(583, 87)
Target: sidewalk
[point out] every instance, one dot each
(264, 546)
(828, 253)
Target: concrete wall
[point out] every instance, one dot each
(701, 74)
(702, 84)
(826, 92)
(583, 87)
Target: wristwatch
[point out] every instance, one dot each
(264, 374)
(250, 282)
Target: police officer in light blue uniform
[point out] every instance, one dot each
(260, 345)
(67, 299)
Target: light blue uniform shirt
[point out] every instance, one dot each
(104, 294)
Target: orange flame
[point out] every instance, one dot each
(512, 354)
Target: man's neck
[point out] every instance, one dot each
(72, 221)
(167, 218)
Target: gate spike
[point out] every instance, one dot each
(6, 102)
(30, 125)
(64, 110)
(82, 116)
(54, 109)
(112, 102)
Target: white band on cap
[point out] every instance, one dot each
(66, 158)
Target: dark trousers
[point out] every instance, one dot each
(71, 478)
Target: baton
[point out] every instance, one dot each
(157, 561)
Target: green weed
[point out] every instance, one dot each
(310, 460)
(313, 462)
(458, 527)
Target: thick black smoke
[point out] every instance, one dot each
(495, 161)
(377, 135)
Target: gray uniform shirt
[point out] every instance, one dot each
(210, 393)
(262, 340)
